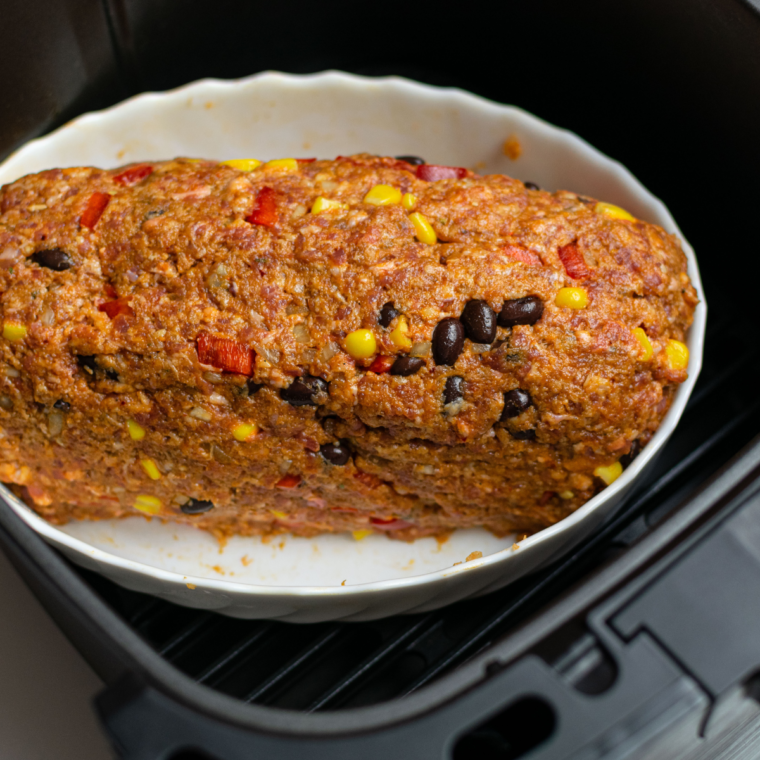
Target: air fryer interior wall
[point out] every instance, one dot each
(672, 90)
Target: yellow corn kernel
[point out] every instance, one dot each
(423, 229)
(278, 515)
(13, 331)
(136, 432)
(360, 534)
(245, 431)
(151, 505)
(325, 204)
(399, 336)
(383, 195)
(283, 164)
(645, 343)
(613, 212)
(610, 473)
(566, 495)
(572, 298)
(677, 354)
(242, 164)
(361, 344)
(150, 469)
(409, 201)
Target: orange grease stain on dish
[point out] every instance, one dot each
(245, 560)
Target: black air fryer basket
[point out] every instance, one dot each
(644, 642)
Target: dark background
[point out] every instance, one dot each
(652, 83)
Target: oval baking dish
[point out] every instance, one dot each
(273, 115)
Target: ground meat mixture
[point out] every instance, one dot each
(365, 344)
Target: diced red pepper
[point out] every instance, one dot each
(225, 353)
(522, 254)
(434, 172)
(545, 497)
(114, 308)
(393, 524)
(96, 205)
(288, 481)
(368, 479)
(111, 290)
(264, 209)
(573, 261)
(382, 364)
(133, 175)
(306, 160)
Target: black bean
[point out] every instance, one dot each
(448, 341)
(515, 402)
(523, 435)
(454, 390)
(626, 459)
(521, 311)
(407, 365)
(197, 506)
(254, 387)
(87, 363)
(387, 314)
(54, 258)
(479, 321)
(304, 391)
(413, 160)
(335, 453)
(531, 186)
(63, 406)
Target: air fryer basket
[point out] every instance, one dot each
(641, 643)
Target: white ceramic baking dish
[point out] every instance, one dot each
(275, 115)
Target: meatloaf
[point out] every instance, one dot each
(364, 344)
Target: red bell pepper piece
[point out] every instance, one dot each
(288, 481)
(133, 175)
(521, 254)
(306, 160)
(382, 364)
(114, 308)
(573, 261)
(433, 172)
(224, 353)
(96, 205)
(393, 524)
(110, 291)
(264, 209)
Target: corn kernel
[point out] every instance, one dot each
(677, 354)
(566, 495)
(278, 515)
(361, 344)
(136, 432)
(383, 195)
(399, 336)
(644, 342)
(150, 505)
(409, 201)
(423, 229)
(326, 204)
(572, 298)
(610, 473)
(245, 431)
(613, 212)
(242, 164)
(361, 534)
(283, 164)
(12, 331)
(150, 469)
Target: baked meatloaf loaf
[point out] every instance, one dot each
(364, 344)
